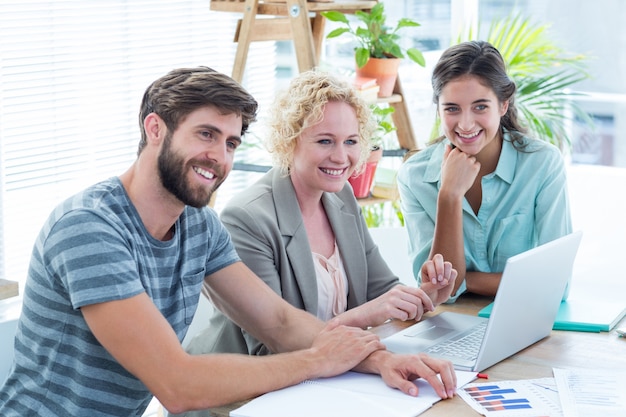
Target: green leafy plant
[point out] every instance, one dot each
(376, 39)
(385, 214)
(384, 123)
(543, 73)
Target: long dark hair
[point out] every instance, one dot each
(482, 60)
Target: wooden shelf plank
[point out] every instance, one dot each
(280, 8)
(371, 200)
(8, 289)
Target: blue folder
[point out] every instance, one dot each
(582, 315)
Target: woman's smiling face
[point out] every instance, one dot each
(327, 153)
(470, 114)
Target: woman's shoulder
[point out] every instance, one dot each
(538, 155)
(253, 202)
(258, 190)
(422, 155)
(529, 146)
(420, 160)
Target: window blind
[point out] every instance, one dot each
(72, 74)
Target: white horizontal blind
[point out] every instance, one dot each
(72, 74)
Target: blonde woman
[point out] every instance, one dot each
(300, 228)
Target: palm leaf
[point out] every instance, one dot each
(543, 72)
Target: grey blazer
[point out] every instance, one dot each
(268, 232)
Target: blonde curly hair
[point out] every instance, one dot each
(302, 105)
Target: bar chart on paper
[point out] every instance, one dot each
(524, 398)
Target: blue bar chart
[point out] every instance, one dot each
(526, 398)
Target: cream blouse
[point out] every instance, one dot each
(332, 285)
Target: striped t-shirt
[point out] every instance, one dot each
(94, 248)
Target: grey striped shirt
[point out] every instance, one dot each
(94, 248)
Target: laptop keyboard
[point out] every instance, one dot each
(466, 346)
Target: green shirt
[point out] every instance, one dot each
(524, 204)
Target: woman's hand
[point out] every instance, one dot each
(438, 279)
(458, 172)
(401, 302)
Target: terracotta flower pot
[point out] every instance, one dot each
(362, 183)
(384, 70)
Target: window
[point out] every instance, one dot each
(72, 74)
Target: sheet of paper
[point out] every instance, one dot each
(588, 392)
(522, 398)
(348, 394)
(315, 400)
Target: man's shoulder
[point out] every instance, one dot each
(101, 200)
(103, 194)
(200, 220)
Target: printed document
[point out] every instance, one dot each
(590, 392)
(517, 398)
(349, 394)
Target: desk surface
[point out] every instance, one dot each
(562, 349)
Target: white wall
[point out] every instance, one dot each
(393, 246)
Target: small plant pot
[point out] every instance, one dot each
(362, 183)
(384, 70)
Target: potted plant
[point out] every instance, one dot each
(362, 182)
(378, 45)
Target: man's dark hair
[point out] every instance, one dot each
(182, 91)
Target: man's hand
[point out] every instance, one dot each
(338, 348)
(398, 371)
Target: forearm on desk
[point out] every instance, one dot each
(482, 283)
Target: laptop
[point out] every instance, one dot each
(525, 307)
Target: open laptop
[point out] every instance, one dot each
(525, 307)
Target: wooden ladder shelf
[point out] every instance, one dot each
(301, 22)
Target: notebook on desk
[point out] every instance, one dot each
(524, 310)
(585, 314)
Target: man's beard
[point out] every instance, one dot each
(173, 178)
